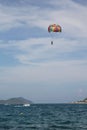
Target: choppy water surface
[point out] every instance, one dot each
(44, 117)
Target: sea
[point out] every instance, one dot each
(43, 117)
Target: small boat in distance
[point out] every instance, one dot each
(26, 105)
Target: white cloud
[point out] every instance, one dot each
(37, 50)
(38, 62)
(57, 72)
(72, 17)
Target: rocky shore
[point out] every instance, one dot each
(84, 101)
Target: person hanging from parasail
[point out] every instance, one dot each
(54, 28)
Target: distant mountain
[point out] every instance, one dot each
(18, 100)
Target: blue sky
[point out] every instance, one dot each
(30, 66)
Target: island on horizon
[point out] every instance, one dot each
(16, 101)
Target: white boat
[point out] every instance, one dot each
(26, 105)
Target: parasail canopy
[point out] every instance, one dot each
(54, 28)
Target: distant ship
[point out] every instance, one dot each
(26, 105)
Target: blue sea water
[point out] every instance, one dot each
(44, 117)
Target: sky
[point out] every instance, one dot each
(30, 66)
